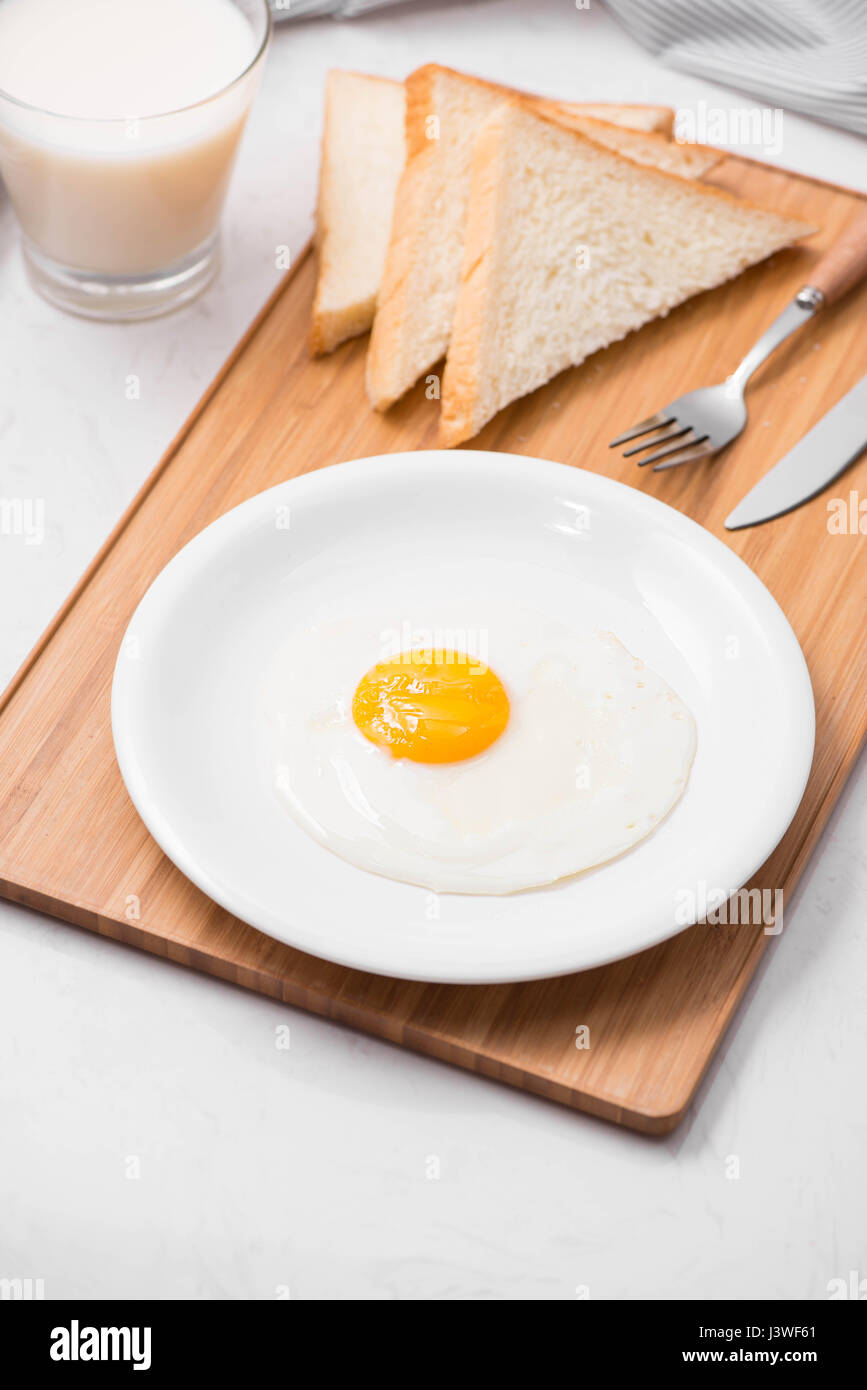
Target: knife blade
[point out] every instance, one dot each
(816, 460)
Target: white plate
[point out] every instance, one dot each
(194, 746)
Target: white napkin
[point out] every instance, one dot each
(808, 55)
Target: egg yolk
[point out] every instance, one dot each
(437, 707)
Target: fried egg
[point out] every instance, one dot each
(470, 771)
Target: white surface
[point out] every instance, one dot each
(191, 729)
(311, 1168)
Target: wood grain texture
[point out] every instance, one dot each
(72, 845)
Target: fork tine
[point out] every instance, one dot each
(653, 422)
(677, 431)
(688, 437)
(703, 452)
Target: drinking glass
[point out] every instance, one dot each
(120, 217)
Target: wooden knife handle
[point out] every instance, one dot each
(846, 263)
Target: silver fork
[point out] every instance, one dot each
(702, 422)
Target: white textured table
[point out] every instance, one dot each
(260, 1169)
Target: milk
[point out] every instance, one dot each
(125, 115)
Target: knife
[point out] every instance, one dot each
(816, 460)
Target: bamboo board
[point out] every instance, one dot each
(72, 845)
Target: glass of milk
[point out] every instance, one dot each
(119, 124)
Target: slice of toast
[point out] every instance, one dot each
(445, 110)
(659, 118)
(570, 246)
(362, 158)
(645, 147)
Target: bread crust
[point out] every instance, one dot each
(318, 332)
(426, 74)
(460, 391)
(384, 354)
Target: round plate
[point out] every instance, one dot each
(194, 746)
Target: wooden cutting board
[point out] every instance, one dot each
(72, 845)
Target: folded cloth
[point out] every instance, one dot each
(807, 55)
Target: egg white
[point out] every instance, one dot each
(597, 751)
